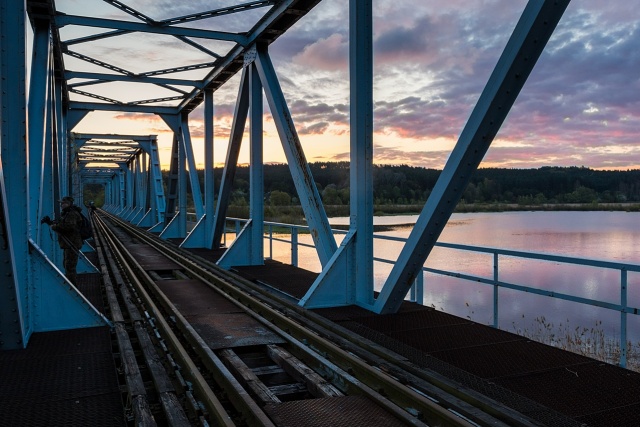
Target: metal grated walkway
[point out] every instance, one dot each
(62, 378)
(555, 387)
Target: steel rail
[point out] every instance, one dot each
(472, 404)
(202, 387)
(309, 342)
(341, 378)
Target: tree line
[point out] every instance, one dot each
(409, 185)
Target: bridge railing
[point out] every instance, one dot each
(275, 231)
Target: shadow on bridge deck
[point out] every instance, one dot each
(63, 377)
(553, 386)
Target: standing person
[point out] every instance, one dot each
(68, 229)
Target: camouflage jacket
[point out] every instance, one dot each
(68, 228)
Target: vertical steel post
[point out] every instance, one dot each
(43, 235)
(294, 246)
(15, 322)
(189, 161)
(495, 290)
(182, 188)
(231, 162)
(256, 179)
(361, 172)
(209, 179)
(420, 283)
(270, 241)
(347, 276)
(155, 190)
(61, 138)
(38, 109)
(121, 187)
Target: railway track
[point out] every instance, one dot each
(200, 346)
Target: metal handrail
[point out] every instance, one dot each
(416, 293)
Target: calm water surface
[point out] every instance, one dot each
(611, 236)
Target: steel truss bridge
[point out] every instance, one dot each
(44, 159)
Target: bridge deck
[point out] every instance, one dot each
(63, 377)
(71, 374)
(548, 384)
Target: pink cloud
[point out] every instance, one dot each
(329, 53)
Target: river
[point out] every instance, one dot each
(610, 236)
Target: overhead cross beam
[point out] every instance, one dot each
(62, 20)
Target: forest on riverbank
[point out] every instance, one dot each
(405, 189)
(408, 185)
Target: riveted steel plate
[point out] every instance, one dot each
(347, 411)
(192, 297)
(232, 330)
(151, 259)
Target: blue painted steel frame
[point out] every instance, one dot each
(231, 162)
(35, 286)
(348, 277)
(305, 185)
(529, 38)
(247, 248)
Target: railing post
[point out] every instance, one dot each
(419, 285)
(237, 227)
(270, 241)
(495, 290)
(294, 246)
(623, 318)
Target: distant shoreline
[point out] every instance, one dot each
(506, 207)
(293, 214)
(397, 210)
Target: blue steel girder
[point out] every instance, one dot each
(172, 21)
(231, 163)
(310, 200)
(16, 323)
(40, 124)
(179, 124)
(348, 277)
(209, 178)
(248, 247)
(176, 226)
(102, 77)
(33, 289)
(277, 18)
(531, 34)
(62, 20)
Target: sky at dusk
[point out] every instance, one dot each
(432, 58)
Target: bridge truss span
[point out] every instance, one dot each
(74, 74)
